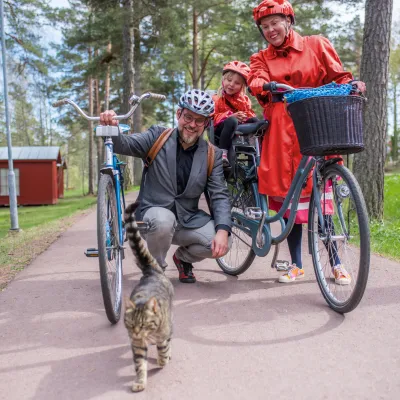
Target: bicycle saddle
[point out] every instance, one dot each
(247, 129)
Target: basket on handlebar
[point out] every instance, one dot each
(328, 125)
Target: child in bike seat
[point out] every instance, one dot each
(298, 61)
(232, 106)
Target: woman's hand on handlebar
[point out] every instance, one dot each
(106, 118)
(256, 86)
(361, 86)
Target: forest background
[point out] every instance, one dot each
(77, 49)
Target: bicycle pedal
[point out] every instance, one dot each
(282, 265)
(253, 213)
(92, 252)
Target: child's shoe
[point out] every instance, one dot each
(292, 274)
(225, 161)
(342, 277)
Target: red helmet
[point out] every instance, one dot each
(239, 67)
(270, 7)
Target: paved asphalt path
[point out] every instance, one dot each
(235, 338)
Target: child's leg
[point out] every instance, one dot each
(228, 129)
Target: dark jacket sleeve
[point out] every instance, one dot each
(137, 144)
(219, 194)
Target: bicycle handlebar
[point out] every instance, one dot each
(135, 100)
(274, 86)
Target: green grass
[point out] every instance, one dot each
(35, 216)
(385, 237)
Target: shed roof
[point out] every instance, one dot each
(32, 153)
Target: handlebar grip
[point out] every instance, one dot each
(59, 103)
(156, 96)
(270, 87)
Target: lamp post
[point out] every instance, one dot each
(11, 175)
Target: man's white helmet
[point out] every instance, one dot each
(197, 101)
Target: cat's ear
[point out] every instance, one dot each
(129, 304)
(152, 305)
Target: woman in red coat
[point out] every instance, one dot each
(232, 106)
(298, 61)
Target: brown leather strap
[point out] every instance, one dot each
(210, 158)
(152, 154)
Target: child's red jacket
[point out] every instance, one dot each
(227, 105)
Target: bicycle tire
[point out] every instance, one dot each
(110, 257)
(352, 236)
(239, 201)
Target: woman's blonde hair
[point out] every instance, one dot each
(230, 74)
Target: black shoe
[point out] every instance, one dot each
(186, 274)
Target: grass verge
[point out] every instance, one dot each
(17, 250)
(40, 227)
(385, 237)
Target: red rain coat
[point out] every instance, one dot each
(308, 61)
(227, 105)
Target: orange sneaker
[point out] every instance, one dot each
(342, 277)
(292, 274)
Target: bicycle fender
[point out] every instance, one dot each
(329, 162)
(107, 171)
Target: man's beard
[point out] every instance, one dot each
(187, 139)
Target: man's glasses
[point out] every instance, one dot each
(198, 121)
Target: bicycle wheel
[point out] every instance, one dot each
(110, 257)
(241, 255)
(345, 241)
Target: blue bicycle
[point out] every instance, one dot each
(110, 208)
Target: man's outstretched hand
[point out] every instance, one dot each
(106, 118)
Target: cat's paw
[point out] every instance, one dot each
(162, 362)
(138, 387)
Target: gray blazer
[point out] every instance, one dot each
(160, 187)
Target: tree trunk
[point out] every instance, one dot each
(395, 140)
(91, 141)
(106, 95)
(99, 140)
(203, 43)
(137, 116)
(369, 165)
(107, 82)
(195, 76)
(41, 121)
(128, 73)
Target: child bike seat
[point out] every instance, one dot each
(247, 129)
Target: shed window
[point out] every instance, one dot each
(4, 181)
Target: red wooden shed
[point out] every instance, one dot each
(39, 175)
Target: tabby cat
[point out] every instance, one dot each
(148, 313)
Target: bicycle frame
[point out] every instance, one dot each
(112, 168)
(259, 228)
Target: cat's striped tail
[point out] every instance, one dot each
(144, 258)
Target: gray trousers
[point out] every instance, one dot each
(164, 230)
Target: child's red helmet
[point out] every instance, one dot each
(271, 7)
(239, 67)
